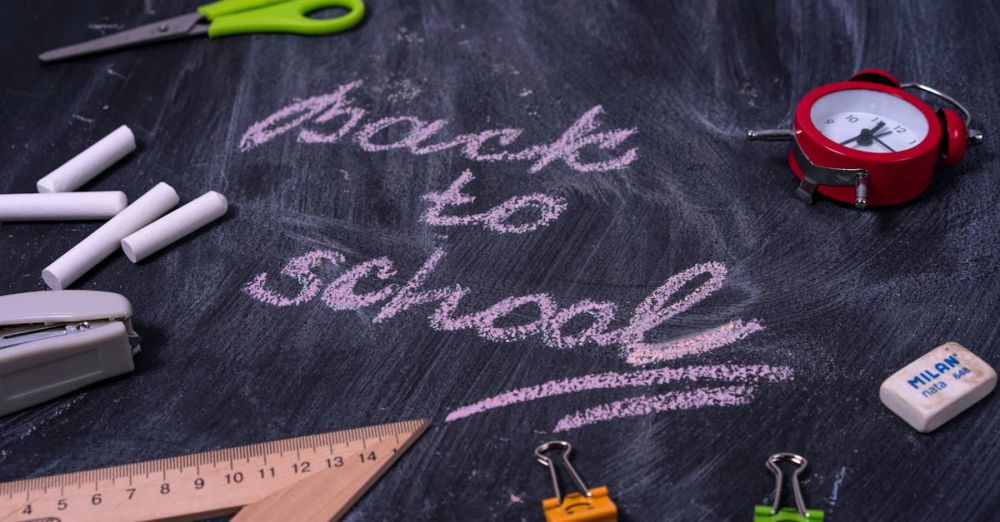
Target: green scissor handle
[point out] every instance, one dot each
(278, 16)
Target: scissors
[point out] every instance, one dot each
(224, 18)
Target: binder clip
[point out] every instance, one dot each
(800, 513)
(586, 505)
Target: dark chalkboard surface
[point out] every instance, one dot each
(818, 304)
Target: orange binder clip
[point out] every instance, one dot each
(586, 505)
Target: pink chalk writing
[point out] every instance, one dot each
(729, 333)
(587, 145)
(547, 319)
(331, 118)
(615, 380)
(643, 405)
(299, 269)
(340, 295)
(548, 209)
(602, 314)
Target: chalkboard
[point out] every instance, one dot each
(502, 275)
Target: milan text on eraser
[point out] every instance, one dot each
(938, 386)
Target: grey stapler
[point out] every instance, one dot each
(54, 342)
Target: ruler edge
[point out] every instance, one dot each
(416, 435)
(366, 486)
(185, 461)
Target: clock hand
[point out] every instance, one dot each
(877, 136)
(882, 143)
(866, 135)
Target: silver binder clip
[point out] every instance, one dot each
(776, 513)
(54, 342)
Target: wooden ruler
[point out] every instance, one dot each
(339, 466)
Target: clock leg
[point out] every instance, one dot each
(861, 190)
(806, 191)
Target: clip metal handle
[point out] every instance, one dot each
(772, 464)
(550, 464)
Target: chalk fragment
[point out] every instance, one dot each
(69, 206)
(88, 164)
(105, 240)
(174, 226)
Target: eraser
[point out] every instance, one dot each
(86, 165)
(69, 206)
(175, 225)
(105, 240)
(938, 386)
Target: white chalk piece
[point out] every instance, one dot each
(938, 386)
(175, 225)
(86, 165)
(105, 240)
(69, 206)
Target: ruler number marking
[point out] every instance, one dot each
(39, 501)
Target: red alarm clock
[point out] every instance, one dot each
(869, 142)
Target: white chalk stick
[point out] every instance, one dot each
(175, 225)
(86, 165)
(105, 240)
(69, 206)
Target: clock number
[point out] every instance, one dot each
(852, 118)
(829, 121)
(899, 129)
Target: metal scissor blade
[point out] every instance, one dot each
(169, 29)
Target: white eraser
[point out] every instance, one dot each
(68, 206)
(105, 240)
(174, 226)
(86, 165)
(938, 386)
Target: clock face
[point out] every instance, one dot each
(869, 121)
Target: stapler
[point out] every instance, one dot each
(54, 342)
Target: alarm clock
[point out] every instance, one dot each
(869, 142)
